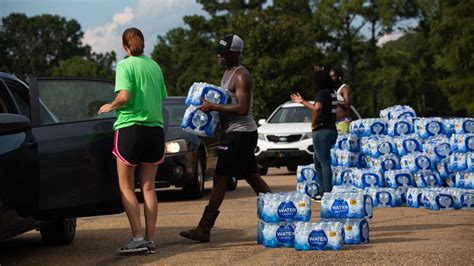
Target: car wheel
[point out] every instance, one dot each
(291, 168)
(232, 184)
(60, 232)
(262, 170)
(195, 190)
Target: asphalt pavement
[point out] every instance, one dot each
(398, 236)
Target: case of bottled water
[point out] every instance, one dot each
(443, 168)
(342, 175)
(381, 146)
(429, 127)
(278, 234)
(464, 180)
(347, 142)
(397, 112)
(355, 231)
(333, 157)
(347, 158)
(207, 91)
(462, 142)
(399, 178)
(279, 207)
(416, 161)
(401, 196)
(427, 178)
(306, 173)
(436, 200)
(345, 188)
(467, 200)
(368, 127)
(408, 144)
(437, 148)
(364, 178)
(458, 161)
(260, 226)
(346, 205)
(319, 236)
(310, 188)
(470, 161)
(463, 125)
(383, 197)
(400, 127)
(386, 162)
(364, 144)
(200, 123)
(414, 197)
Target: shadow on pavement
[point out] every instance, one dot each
(416, 227)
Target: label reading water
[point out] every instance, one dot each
(317, 239)
(287, 210)
(340, 208)
(285, 234)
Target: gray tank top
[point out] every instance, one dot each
(232, 123)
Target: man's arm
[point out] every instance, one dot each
(346, 94)
(243, 86)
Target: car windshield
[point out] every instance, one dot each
(291, 115)
(175, 113)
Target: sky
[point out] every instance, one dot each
(103, 21)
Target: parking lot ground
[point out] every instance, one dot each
(398, 236)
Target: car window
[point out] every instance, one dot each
(73, 100)
(291, 115)
(21, 97)
(175, 112)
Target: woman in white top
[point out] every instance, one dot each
(343, 93)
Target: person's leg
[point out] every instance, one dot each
(129, 200)
(317, 163)
(147, 174)
(325, 139)
(257, 183)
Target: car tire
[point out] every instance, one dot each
(195, 189)
(262, 170)
(291, 168)
(60, 232)
(232, 184)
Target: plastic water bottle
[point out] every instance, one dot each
(414, 199)
(386, 162)
(437, 148)
(200, 123)
(399, 178)
(356, 231)
(464, 125)
(400, 127)
(415, 162)
(458, 161)
(427, 178)
(408, 144)
(429, 127)
(397, 112)
(306, 173)
(381, 146)
(364, 178)
(342, 175)
(464, 180)
(383, 197)
(207, 91)
(462, 142)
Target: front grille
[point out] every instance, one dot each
(284, 138)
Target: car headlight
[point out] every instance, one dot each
(308, 135)
(261, 136)
(176, 146)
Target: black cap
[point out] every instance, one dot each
(230, 43)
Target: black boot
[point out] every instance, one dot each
(202, 233)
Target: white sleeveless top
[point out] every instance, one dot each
(338, 93)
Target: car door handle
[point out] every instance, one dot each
(32, 144)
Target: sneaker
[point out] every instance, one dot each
(133, 247)
(151, 247)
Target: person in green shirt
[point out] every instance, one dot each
(139, 136)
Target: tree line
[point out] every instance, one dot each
(429, 68)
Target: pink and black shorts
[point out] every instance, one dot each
(139, 144)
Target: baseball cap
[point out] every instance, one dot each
(230, 43)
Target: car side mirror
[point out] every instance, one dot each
(12, 123)
(261, 122)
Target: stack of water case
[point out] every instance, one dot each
(196, 121)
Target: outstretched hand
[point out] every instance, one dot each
(206, 106)
(296, 98)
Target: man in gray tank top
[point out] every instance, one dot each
(236, 156)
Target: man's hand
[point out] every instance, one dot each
(206, 106)
(296, 98)
(106, 108)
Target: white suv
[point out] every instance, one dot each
(285, 138)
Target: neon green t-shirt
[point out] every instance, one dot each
(143, 77)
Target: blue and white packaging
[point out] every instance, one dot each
(346, 205)
(207, 91)
(347, 158)
(416, 161)
(462, 142)
(368, 127)
(306, 173)
(458, 161)
(364, 178)
(464, 180)
(200, 123)
(414, 197)
(467, 200)
(437, 148)
(463, 125)
(401, 196)
(434, 200)
(381, 146)
(386, 162)
(429, 127)
(364, 144)
(260, 226)
(383, 197)
(427, 178)
(400, 127)
(319, 236)
(356, 231)
(333, 157)
(309, 188)
(470, 161)
(342, 175)
(443, 168)
(397, 112)
(399, 178)
(287, 207)
(278, 235)
(408, 144)
(347, 142)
